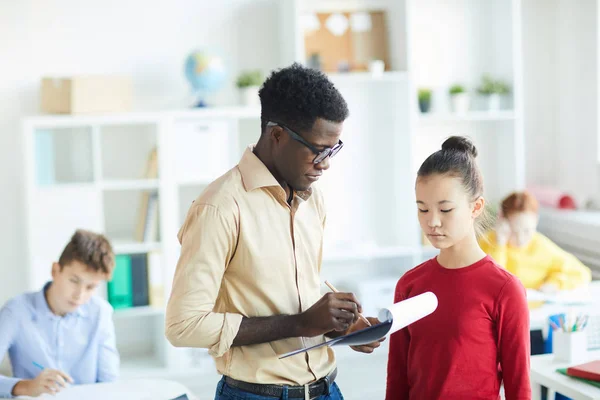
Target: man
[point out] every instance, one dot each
(62, 334)
(247, 283)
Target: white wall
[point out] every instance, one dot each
(458, 42)
(148, 40)
(578, 96)
(560, 94)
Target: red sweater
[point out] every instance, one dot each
(477, 337)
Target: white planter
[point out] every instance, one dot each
(377, 68)
(249, 96)
(460, 103)
(493, 102)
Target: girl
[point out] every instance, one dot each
(532, 257)
(478, 337)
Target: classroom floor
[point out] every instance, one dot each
(360, 376)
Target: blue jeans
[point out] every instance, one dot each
(226, 392)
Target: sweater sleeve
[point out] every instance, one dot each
(566, 271)
(512, 320)
(397, 370)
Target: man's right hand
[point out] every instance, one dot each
(333, 312)
(48, 381)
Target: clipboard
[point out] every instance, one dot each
(394, 318)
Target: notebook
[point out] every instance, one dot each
(564, 372)
(589, 371)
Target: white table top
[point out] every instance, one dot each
(133, 389)
(538, 317)
(543, 372)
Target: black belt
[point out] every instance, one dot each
(315, 389)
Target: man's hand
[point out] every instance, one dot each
(369, 347)
(48, 381)
(333, 312)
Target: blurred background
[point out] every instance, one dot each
(114, 115)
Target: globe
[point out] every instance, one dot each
(206, 74)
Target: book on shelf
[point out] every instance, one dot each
(147, 226)
(137, 281)
(588, 381)
(156, 280)
(44, 157)
(589, 371)
(119, 287)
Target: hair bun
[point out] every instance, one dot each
(461, 144)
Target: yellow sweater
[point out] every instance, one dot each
(541, 261)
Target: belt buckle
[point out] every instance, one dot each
(327, 385)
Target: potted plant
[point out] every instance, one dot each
(492, 90)
(424, 99)
(459, 98)
(248, 83)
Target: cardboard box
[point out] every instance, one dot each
(86, 94)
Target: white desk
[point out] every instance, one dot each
(543, 373)
(538, 317)
(133, 389)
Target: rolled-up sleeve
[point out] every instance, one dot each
(208, 239)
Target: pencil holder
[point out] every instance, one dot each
(569, 346)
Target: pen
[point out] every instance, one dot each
(42, 368)
(554, 326)
(583, 322)
(333, 289)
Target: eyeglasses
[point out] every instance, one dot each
(320, 155)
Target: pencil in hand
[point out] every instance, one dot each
(333, 289)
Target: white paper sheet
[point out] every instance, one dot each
(408, 311)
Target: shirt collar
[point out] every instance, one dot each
(255, 174)
(41, 305)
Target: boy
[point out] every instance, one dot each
(62, 334)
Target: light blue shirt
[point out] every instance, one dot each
(81, 343)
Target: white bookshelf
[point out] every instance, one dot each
(101, 190)
(137, 184)
(483, 116)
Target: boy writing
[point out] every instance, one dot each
(62, 334)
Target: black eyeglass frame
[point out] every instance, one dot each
(320, 155)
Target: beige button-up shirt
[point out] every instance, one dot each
(246, 252)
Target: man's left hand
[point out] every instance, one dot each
(369, 347)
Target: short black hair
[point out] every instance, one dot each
(297, 96)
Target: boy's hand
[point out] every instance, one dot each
(48, 381)
(369, 347)
(549, 288)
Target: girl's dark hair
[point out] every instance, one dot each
(457, 158)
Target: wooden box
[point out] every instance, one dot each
(86, 94)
